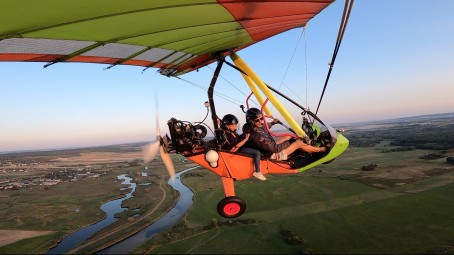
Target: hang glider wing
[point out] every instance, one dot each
(177, 36)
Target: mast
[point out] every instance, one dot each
(214, 117)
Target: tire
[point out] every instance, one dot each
(231, 207)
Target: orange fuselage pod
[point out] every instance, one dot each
(240, 166)
(224, 168)
(233, 167)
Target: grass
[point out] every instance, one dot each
(27, 245)
(401, 224)
(385, 222)
(330, 213)
(331, 209)
(55, 208)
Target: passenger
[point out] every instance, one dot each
(235, 142)
(262, 140)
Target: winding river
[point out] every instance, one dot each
(166, 221)
(113, 207)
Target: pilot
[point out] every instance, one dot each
(262, 140)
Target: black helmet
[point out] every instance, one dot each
(229, 119)
(252, 114)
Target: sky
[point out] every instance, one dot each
(395, 60)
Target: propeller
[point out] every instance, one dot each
(151, 150)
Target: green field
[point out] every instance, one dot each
(69, 206)
(404, 206)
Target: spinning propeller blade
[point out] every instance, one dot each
(151, 150)
(167, 162)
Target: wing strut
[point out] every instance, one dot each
(254, 81)
(345, 16)
(270, 87)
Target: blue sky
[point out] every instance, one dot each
(395, 61)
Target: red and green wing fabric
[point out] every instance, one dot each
(177, 36)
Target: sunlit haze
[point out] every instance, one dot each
(396, 60)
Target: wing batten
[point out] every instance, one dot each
(121, 61)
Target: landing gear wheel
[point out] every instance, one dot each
(231, 207)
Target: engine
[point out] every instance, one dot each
(186, 138)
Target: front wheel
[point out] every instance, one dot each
(231, 207)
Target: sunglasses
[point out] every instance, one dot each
(258, 119)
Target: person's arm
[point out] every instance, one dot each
(274, 121)
(241, 143)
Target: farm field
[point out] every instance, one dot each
(390, 192)
(404, 206)
(36, 217)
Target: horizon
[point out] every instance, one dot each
(208, 135)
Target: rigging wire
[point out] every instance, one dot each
(303, 33)
(290, 62)
(227, 98)
(305, 62)
(345, 16)
(239, 90)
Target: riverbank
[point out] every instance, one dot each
(124, 229)
(125, 237)
(166, 221)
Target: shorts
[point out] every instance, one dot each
(279, 156)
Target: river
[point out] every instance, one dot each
(163, 223)
(113, 207)
(110, 208)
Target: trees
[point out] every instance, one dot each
(431, 156)
(450, 160)
(370, 167)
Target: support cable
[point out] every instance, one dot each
(345, 16)
(225, 97)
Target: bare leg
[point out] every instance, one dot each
(300, 145)
(283, 139)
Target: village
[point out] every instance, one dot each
(20, 174)
(15, 176)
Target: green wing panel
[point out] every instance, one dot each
(175, 35)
